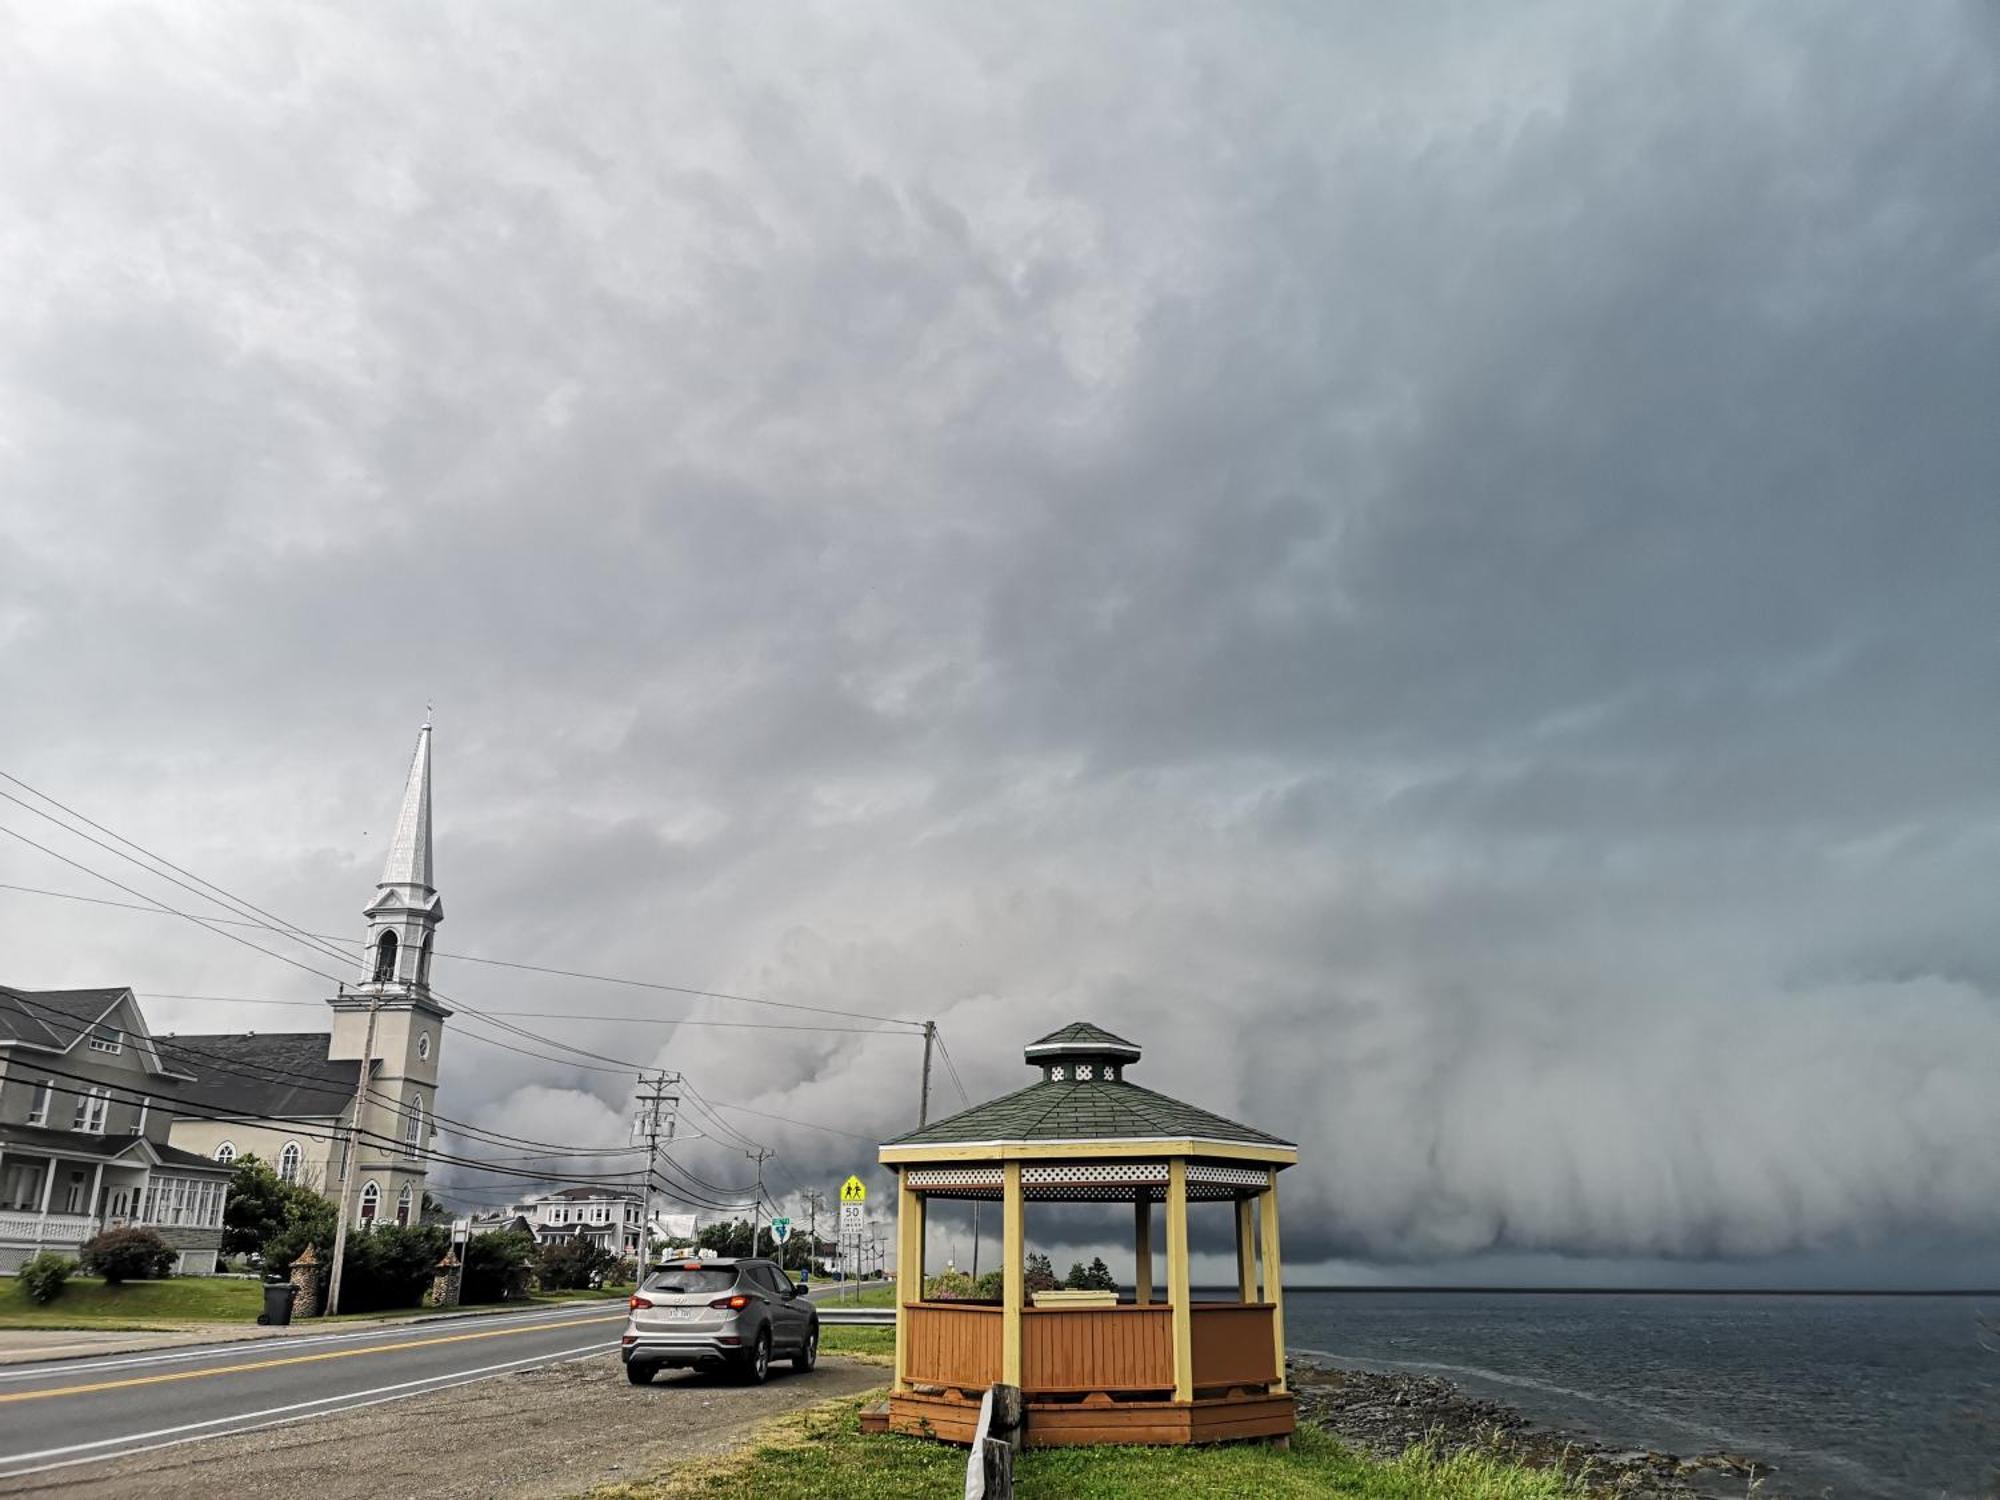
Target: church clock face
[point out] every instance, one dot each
(424, 1046)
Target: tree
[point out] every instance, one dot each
(1040, 1275)
(495, 1264)
(1098, 1278)
(271, 1218)
(727, 1237)
(573, 1263)
(120, 1255)
(256, 1208)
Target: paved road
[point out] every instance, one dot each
(58, 1414)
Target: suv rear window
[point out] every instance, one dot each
(678, 1280)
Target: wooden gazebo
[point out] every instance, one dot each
(1158, 1367)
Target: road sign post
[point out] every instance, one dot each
(853, 1226)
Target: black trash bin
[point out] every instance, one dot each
(278, 1297)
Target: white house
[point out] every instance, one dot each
(607, 1218)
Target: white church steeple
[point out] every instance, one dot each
(403, 918)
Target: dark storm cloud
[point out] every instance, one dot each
(1436, 571)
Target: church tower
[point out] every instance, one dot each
(393, 995)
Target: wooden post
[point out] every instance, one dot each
(1013, 1274)
(1142, 1246)
(1274, 1291)
(1179, 1288)
(1246, 1251)
(909, 1269)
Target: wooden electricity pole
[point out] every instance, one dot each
(347, 1173)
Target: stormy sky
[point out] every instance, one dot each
(1438, 567)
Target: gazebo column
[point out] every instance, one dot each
(1179, 1281)
(1274, 1290)
(1013, 1274)
(909, 1268)
(1142, 1247)
(1246, 1249)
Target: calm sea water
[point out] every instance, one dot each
(1866, 1396)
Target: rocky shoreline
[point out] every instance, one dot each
(1385, 1414)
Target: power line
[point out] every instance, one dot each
(536, 1015)
(471, 958)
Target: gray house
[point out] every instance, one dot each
(83, 1146)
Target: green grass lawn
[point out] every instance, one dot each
(88, 1303)
(141, 1306)
(822, 1452)
(863, 1342)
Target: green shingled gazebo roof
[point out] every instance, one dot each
(1084, 1096)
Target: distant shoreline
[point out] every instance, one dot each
(1656, 1291)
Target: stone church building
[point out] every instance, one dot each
(288, 1097)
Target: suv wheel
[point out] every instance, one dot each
(641, 1374)
(757, 1364)
(808, 1354)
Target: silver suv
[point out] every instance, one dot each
(718, 1314)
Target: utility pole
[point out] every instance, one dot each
(813, 1200)
(924, 1105)
(347, 1158)
(757, 1207)
(658, 1114)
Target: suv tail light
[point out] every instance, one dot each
(639, 1302)
(739, 1300)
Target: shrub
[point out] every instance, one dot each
(950, 1286)
(127, 1255)
(496, 1266)
(991, 1287)
(42, 1278)
(569, 1264)
(391, 1266)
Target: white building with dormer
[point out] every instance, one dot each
(288, 1097)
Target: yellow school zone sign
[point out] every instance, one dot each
(854, 1190)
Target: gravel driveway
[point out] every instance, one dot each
(550, 1432)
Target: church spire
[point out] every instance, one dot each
(409, 860)
(406, 910)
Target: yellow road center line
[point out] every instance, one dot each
(272, 1364)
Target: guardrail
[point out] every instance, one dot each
(858, 1317)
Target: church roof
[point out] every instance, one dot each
(409, 861)
(268, 1073)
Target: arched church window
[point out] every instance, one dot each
(424, 1046)
(385, 958)
(226, 1153)
(413, 1128)
(371, 1202)
(288, 1162)
(424, 961)
(403, 1205)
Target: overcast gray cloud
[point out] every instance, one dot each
(1436, 568)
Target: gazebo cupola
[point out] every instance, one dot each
(1148, 1368)
(1082, 1053)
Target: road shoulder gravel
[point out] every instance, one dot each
(554, 1431)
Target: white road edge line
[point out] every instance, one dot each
(400, 1392)
(237, 1348)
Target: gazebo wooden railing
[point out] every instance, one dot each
(1154, 1369)
(1121, 1352)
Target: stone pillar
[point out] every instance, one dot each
(446, 1282)
(305, 1276)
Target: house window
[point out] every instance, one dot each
(106, 1039)
(38, 1107)
(385, 958)
(403, 1205)
(371, 1202)
(89, 1116)
(226, 1153)
(145, 1107)
(21, 1185)
(288, 1162)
